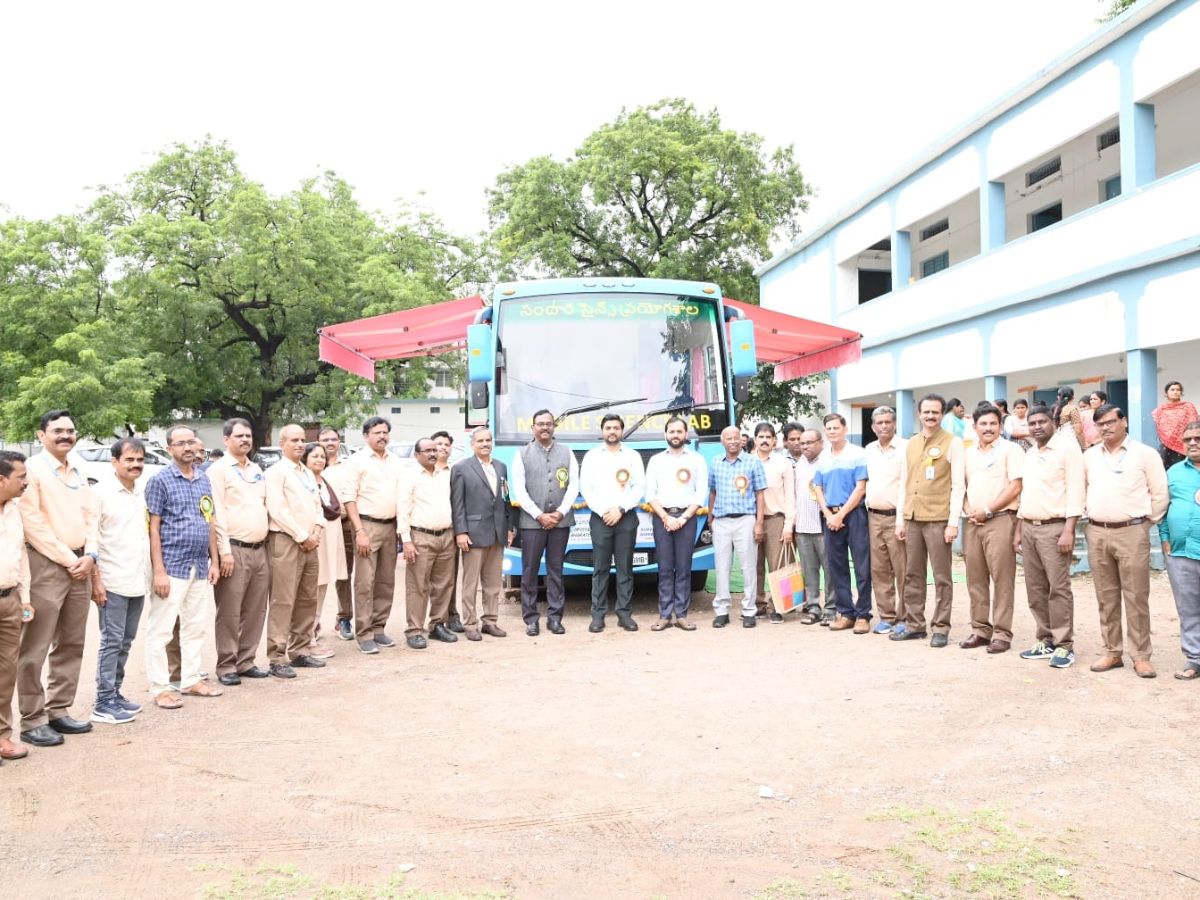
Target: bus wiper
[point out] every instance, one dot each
(592, 407)
(665, 411)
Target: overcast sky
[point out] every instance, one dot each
(428, 103)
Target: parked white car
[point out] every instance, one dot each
(95, 462)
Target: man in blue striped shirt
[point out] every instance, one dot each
(1180, 533)
(736, 482)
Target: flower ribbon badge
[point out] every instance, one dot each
(741, 483)
(684, 476)
(206, 508)
(562, 476)
(622, 477)
(935, 452)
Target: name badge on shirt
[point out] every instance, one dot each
(929, 473)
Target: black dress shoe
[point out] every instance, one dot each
(939, 640)
(533, 630)
(307, 662)
(229, 678)
(907, 635)
(597, 626)
(67, 725)
(440, 632)
(42, 736)
(749, 621)
(416, 641)
(282, 670)
(456, 625)
(555, 627)
(255, 672)
(627, 623)
(720, 621)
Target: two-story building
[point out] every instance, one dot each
(1053, 240)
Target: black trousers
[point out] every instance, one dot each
(613, 545)
(535, 542)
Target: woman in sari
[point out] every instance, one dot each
(1171, 418)
(331, 555)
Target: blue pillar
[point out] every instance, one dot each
(833, 392)
(901, 259)
(995, 387)
(1136, 121)
(991, 216)
(906, 419)
(1142, 372)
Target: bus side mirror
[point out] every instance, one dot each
(479, 396)
(741, 388)
(742, 354)
(481, 363)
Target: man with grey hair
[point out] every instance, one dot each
(806, 449)
(885, 492)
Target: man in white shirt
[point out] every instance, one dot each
(779, 496)
(121, 578)
(613, 482)
(885, 492)
(676, 485)
(806, 449)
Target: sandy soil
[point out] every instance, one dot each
(627, 765)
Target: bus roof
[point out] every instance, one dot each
(512, 289)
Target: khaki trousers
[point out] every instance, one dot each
(293, 605)
(185, 610)
(60, 605)
(1048, 584)
(888, 562)
(429, 582)
(10, 649)
(991, 561)
(242, 609)
(481, 566)
(375, 581)
(768, 553)
(1120, 561)
(926, 542)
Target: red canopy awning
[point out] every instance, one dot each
(355, 346)
(798, 346)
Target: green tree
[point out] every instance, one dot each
(663, 191)
(1115, 8)
(783, 402)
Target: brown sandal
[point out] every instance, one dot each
(810, 618)
(661, 625)
(685, 625)
(168, 700)
(200, 689)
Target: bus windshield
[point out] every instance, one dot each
(652, 351)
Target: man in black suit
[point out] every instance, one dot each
(482, 526)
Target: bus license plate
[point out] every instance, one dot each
(641, 559)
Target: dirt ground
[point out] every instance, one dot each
(778, 762)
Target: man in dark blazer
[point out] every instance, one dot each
(479, 502)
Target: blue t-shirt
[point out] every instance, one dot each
(839, 475)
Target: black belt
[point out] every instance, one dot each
(998, 513)
(391, 521)
(773, 516)
(436, 532)
(1059, 521)
(675, 510)
(4, 592)
(734, 515)
(881, 512)
(246, 545)
(1138, 521)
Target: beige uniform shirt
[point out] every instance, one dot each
(14, 561)
(1052, 482)
(293, 505)
(424, 501)
(1128, 484)
(780, 494)
(989, 472)
(374, 485)
(58, 510)
(240, 500)
(885, 475)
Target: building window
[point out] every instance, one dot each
(435, 410)
(443, 379)
(1108, 139)
(873, 283)
(936, 228)
(1109, 188)
(1046, 217)
(935, 264)
(1042, 172)
(396, 410)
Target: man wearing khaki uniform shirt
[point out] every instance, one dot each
(779, 518)
(14, 591)
(1126, 492)
(424, 518)
(58, 512)
(1051, 504)
(370, 504)
(240, 497)
(885, 494)
(993, 469)
(296, 525)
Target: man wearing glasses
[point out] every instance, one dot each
(806, 449)
(545, 484)
(1126, 492)
(1180, 533)
(339, 477)
(240, 497)
(425, 521)
(59, 516)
